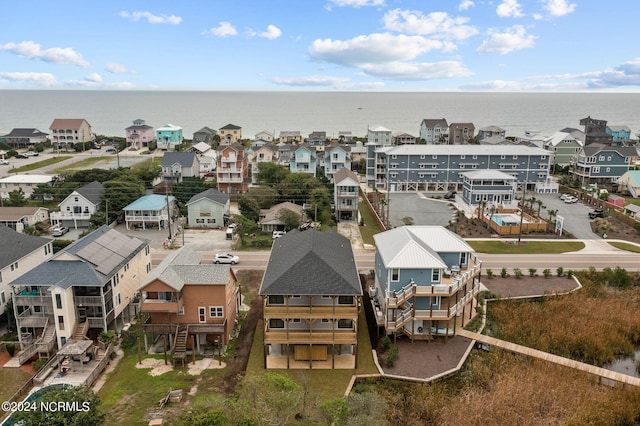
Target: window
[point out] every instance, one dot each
(463, 258)
(2, 297)
(276, 323)
(596, 169)
(475, 157)
(395, 274)
(435, 157)
(118, 299)
(345, 300)
(216, 312)
(345, 323)
(58, 301)
(515, 157)
(181, 311)
(435, 275)
(608, 169)
(60, 322)
(296, 320)
(462, 157)
(276, 300)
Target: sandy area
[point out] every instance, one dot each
(158, 367)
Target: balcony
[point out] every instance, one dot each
(20, 300)
(222, 179)
(30, 318)
(310, 312)
(145, 218)
(310, 337)
(88, 300)
(161, 305)
(347, 194)
(70, 216)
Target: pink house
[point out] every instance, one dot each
(616, 200)
(139, 134)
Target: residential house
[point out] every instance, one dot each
(139, 135)
(230, 134)
(434, 131)
(632, 210)
(151, 211)
(492, 187)
(601, 164)
(208, 209)
(179, 165)
(233, 169)
(76, 210)
(269, 219)
(621, 135)
(426, 281)
(491, 132)
(23, 182)
(18, 218)
(402, 138)
(290, 136)
(345, 136)
(169, 137)
(190, 301)
(268, 153)
(377, 137)
(317, 139)
(20, 254)
(564, 146)
(345, 194)
(303, 160)
(440, 167)
(84, 289)
(206, 135)
(530, 138)
(311, 295)
(284, 154)
(461, 133)
(207, 156)
(24, 138)
(358, 152)
(595, 131)
(629, 183)
(265, 135)
(336, 157)
(68, 131)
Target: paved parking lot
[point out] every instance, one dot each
(576, 216)
(422, 210)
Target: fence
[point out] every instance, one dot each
(374, 213)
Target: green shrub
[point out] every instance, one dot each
(569, 273)
(11, 348)
(533, 272)
(560, 271)
(37, 364)
(489, 273)
(392, 356)
(546, 273)
(107, 337)
(504, 273)
(518, 273)
(386, 343)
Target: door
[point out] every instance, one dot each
(202, 314)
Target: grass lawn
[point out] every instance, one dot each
(12, 379)
(371, 226)
(82, 164)
(527, 247)
(325, 385)
(625, 246)
(39, 164)
(130, 391)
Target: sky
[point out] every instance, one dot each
(326, 45)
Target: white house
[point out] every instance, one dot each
(77, 208)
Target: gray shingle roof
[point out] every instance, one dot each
(185, 159)
(16, 245)
(25, 133)
(593, 149)
(210, 194)
(92, 191)
(62, 273)
(311, 263)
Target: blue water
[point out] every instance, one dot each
(110, 112)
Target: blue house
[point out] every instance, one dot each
(426, 280)
(491, 186)
(168, 137)
(336, 157)
(620, 134)
(303, 160)
(601, 164)
(151, 211)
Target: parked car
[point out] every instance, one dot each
(21, 156)
(450, 195)
(111, 149)
(277, 234)
(596, 213)
(226, 258)
(31, 154)
(570, 199)
(59, 231)
(4, 161)
(565, 195)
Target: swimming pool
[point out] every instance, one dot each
(506, 219)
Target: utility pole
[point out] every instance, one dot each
(524, 187)
(168, 212)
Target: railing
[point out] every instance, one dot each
(95, 322)
(70, 215)
(160, 305)
(88, 300)
(100, 367)
(28, 318)
(29, 300)
(347, 193)
(309, 337)
(229, 180)
(313, 312)
(131, 218)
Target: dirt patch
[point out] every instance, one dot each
(529, 286)
(615, 229)
(475, 228)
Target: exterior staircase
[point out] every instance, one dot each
(180, 343)
(43, 346)
(80, 332)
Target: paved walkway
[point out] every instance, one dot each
(566, 362)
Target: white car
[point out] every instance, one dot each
(59, 231)
(226, 258)
(565, 195)
(3, 161)
(570, 199)
(277, 234)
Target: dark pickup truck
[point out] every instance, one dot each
(596, 213)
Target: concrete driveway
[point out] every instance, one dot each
(576, 216)
(423, 210)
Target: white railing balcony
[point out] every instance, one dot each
(229, 159)
(70, 216)
(222, 179)
(145, 218)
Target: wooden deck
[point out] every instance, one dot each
(587, 368)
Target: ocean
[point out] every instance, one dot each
(110, 112)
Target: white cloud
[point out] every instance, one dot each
(627, 74)
(272, 32)
(509, 9)
(559, 7)
(115, 68)
(357, 3)
(512, 39)
(312, 80)
(418, 70)
(94, 78)
(465, 5)
(57, 55)
(437, 24)
(151, 18)
(372, 48)
(224, 29)
(40, 78)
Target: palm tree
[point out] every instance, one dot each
(481, 208)
(540, 206)
(552, 214)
